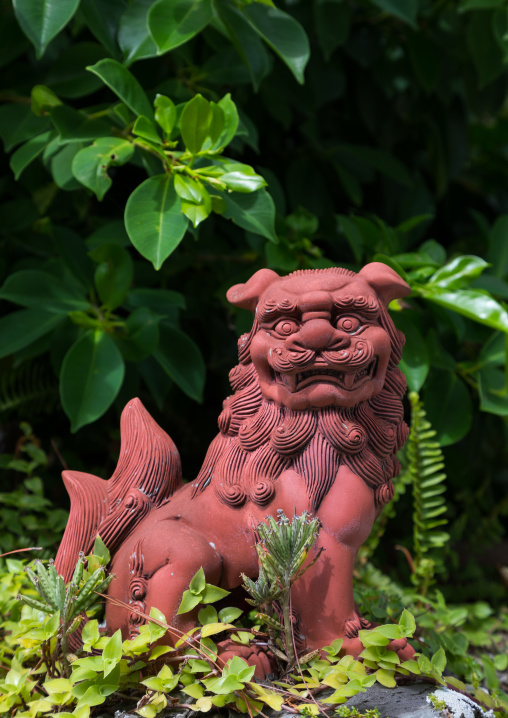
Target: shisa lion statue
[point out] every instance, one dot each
(314, 423)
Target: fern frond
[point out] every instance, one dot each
(425, 466)
(31, 383)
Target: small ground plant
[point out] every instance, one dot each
(45, 678)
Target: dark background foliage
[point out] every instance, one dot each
(381, 129)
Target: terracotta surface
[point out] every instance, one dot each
(314, 422)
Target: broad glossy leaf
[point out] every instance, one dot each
(114, 274)
(197, 212)
(403, 9)
(415, 361)
(188, 602)
(75, 126)
(181, 359)
(143, 127)
(213, 593)
(165, 113)
(103, 19)
(20, 329)
(154, 220)
(28, 152)
(173, 22)
(459, 272)
(494, 351)
(124, 85)
(254, 212)
(492, 386)
(43, 100)
(91, 376)
(33, 288)
(386, 678)
(18, 124)
(470, 303)
(246, 41)
(133, 35)
(42, 20)
(61, 167)
(231, 120)
(448, 405)
(243, 180)
(283, 34)
(112, 652)
(90, 165)
(160, 301)
(195, 123)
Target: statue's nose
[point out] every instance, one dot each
(318, 334)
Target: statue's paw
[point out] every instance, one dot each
(402, 648)
(253, 655)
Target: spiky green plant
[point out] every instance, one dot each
(425, 465)
(68, 601)
(282, 547)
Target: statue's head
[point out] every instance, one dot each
(321, 337)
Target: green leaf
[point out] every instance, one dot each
(213, 628)
(123, 84)
(231, 120)
(207, 615)
(459, 272)
(405, 10)
(386, 678)
(103, 20)
(143, 127)
(391, 631)
(407, 623)
(465, 5)
(243, 180)
(254, 212)
(28, 152)
(67, 75)
(114, 274)
(133, 35)
(333, 22)
(449, 406)
(165, 113)
(90, 634)
(173, 22)
(153, 219)
(20, 329)
(112, 652)
(493, 391)
(42, 20)
(415, 361)
(213, 593)
(438, 661)
(189, 601)
(91, 376)
(101, 551)
(90, 165)
(195, 123)
(32, 288)
(283, 34)
(156, 631)
(471, 303)
(181, 359)
(229, 614)
(198, 582)
(43, 100)
(246, 41)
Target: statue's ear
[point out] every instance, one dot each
(385, 281)
(247, 295)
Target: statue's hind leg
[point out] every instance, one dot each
(153, 570)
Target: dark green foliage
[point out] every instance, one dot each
(215, 137)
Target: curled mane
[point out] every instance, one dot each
(258, 439)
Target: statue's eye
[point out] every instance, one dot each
(286, 327)
(348, 324)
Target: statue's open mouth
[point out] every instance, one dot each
(348, 380)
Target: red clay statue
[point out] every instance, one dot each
(314, 424)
